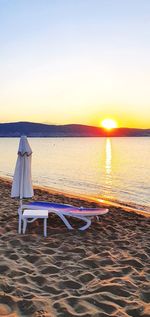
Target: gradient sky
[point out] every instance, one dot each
(75, 61)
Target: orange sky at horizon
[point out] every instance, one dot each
(126, 123)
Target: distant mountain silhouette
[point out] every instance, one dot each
(16, 129)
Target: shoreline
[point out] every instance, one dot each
(100, 201)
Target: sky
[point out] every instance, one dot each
(75, 61)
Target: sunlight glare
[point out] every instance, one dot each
(109, 124)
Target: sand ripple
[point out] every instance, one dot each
(101, 272)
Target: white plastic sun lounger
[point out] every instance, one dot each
(85, 214)
(61, 210)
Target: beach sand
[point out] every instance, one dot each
(104, 271)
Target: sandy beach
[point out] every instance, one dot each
(101, 272)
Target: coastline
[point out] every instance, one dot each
(102, 271)
(103, 202)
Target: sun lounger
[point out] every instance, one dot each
(63, 211)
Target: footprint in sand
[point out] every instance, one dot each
(5, 310)
(7, 307)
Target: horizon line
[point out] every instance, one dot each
(66, 124)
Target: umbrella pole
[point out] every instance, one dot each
(20, 216)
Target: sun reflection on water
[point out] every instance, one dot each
(108, 166)
(108, 161)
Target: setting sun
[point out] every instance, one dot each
(109, 124)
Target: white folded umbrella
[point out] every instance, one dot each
(22, 180)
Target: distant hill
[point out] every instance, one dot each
(16, 129)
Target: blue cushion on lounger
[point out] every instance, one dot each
(49, 205)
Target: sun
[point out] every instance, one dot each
(109, 124)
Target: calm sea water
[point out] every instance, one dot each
(113, 168)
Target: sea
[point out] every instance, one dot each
(114, 169)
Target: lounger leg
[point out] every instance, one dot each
(66, 222)
(87, 225)
(45, 227)
(19, 224)
(24, 225)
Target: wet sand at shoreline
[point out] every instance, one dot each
(101, 272)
